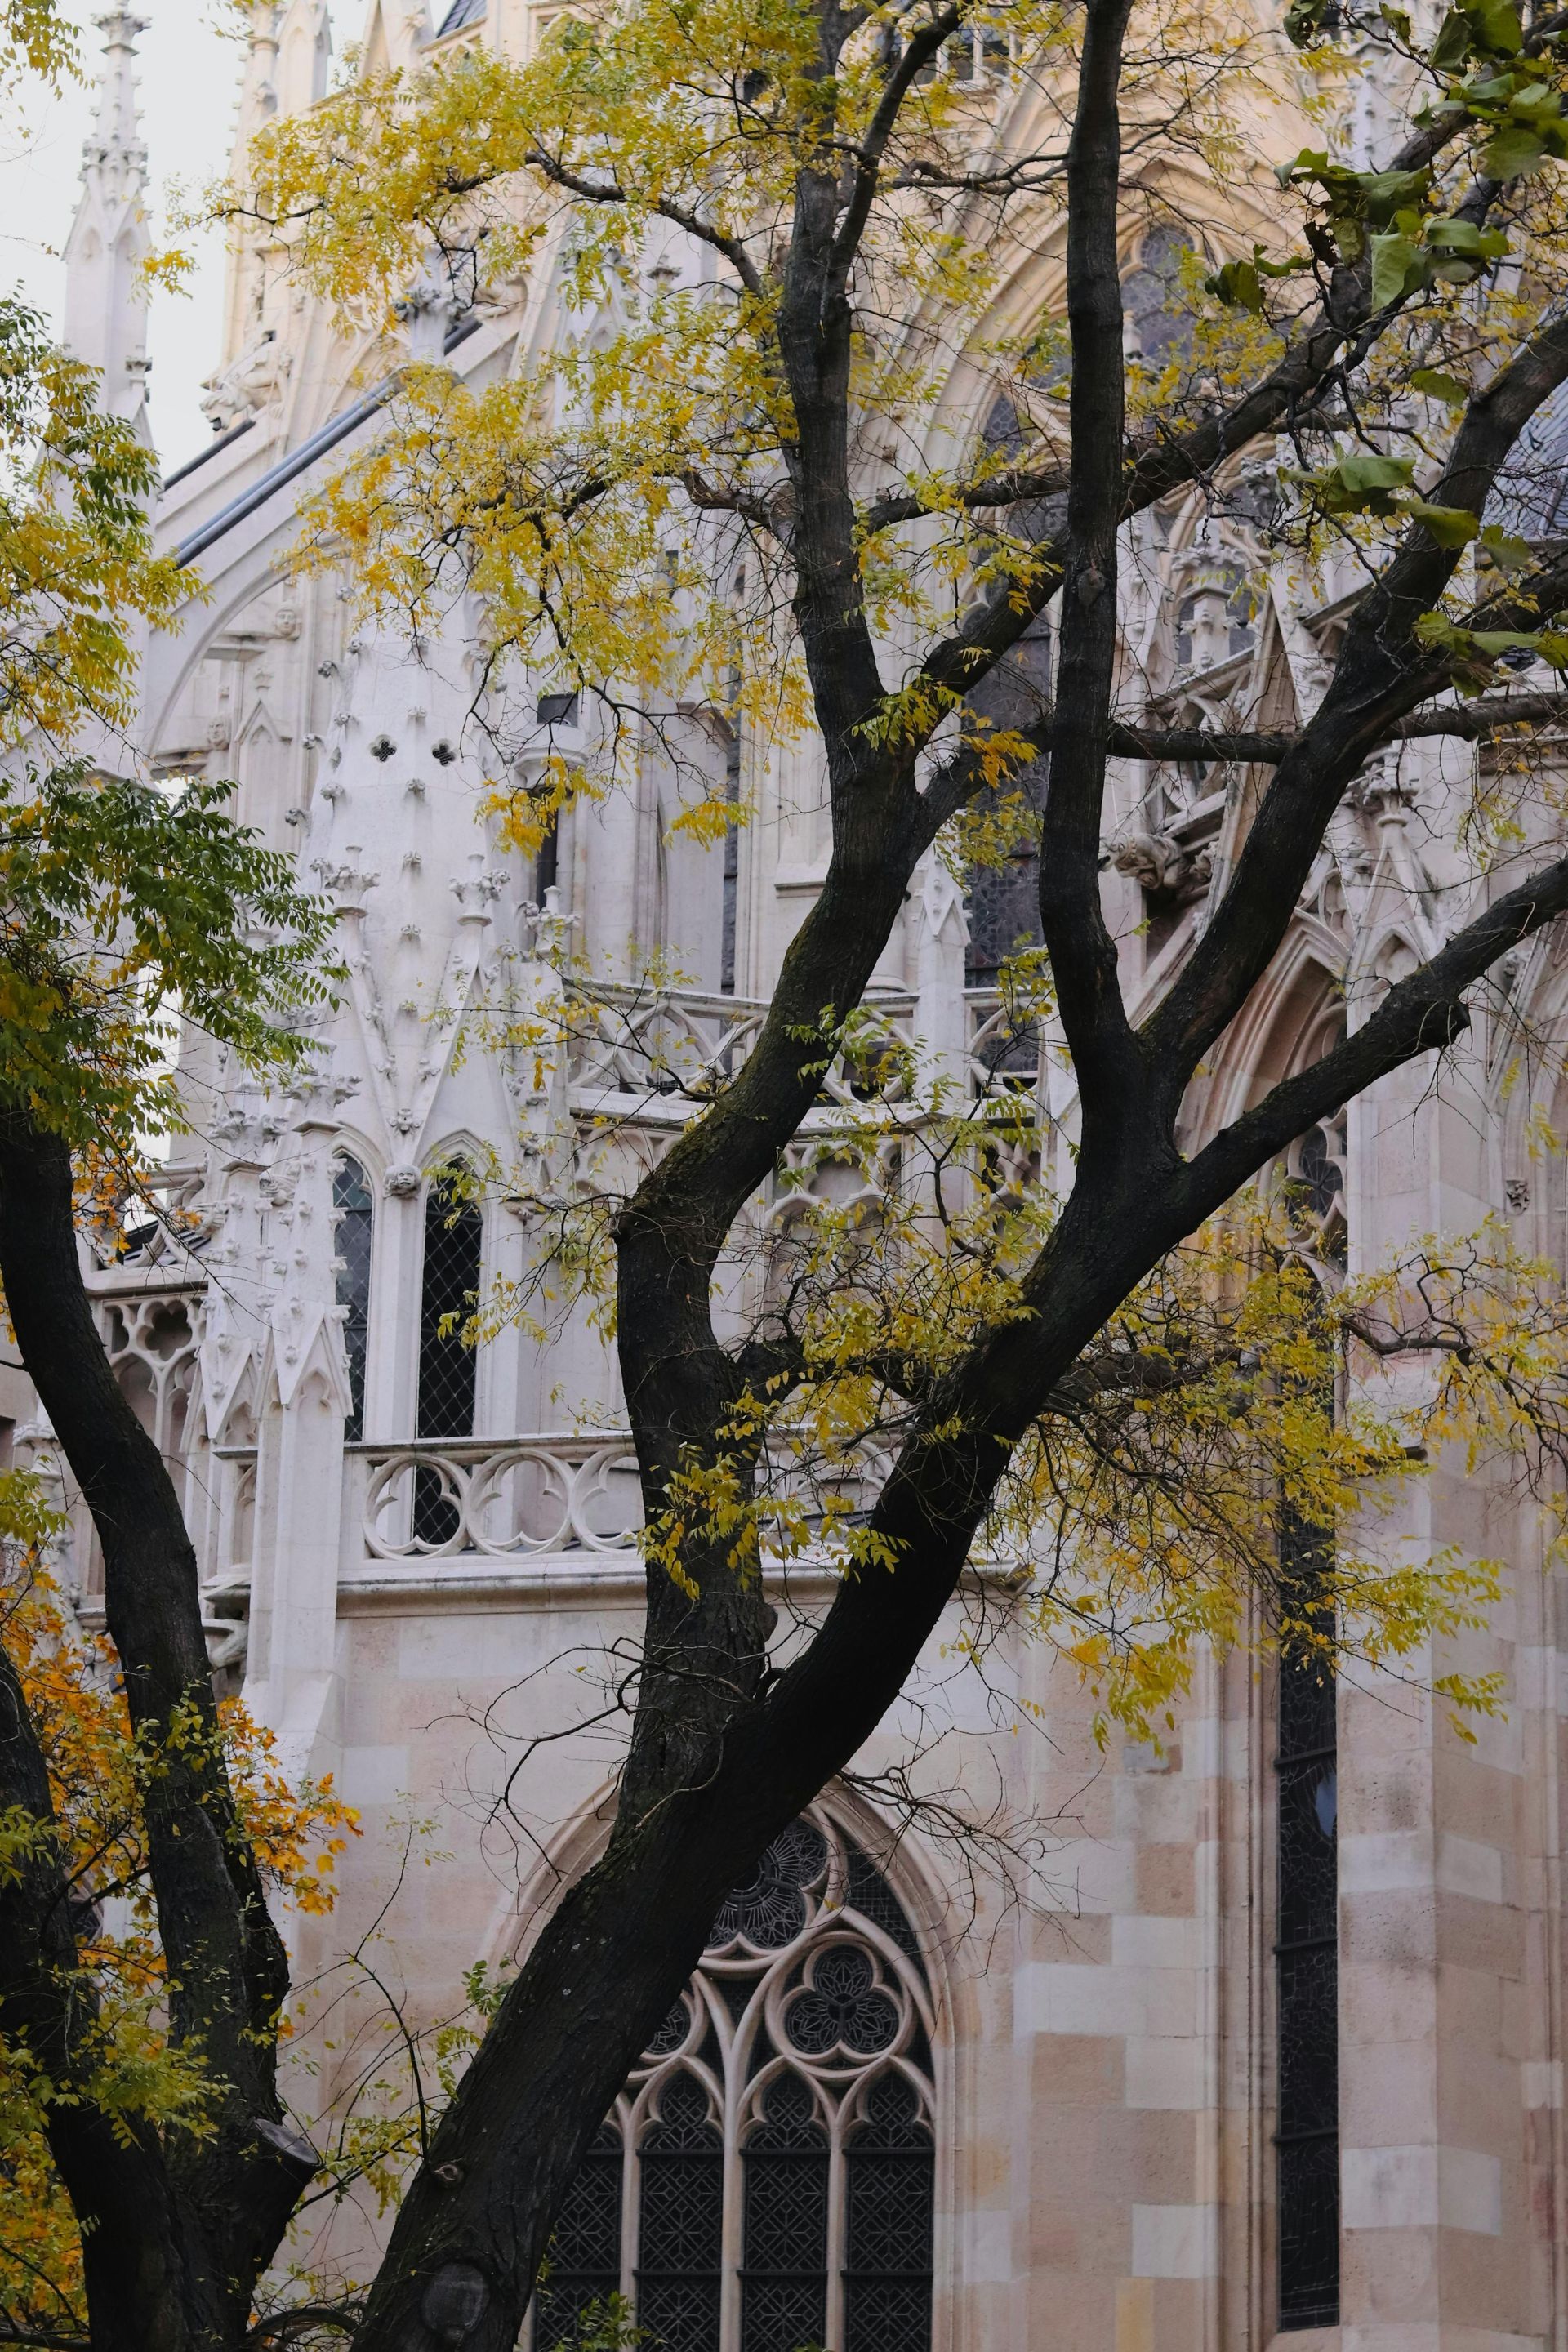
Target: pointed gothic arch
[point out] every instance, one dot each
(767, 2178)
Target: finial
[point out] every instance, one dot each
(105, 294)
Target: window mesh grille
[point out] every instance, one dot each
(783, 2284)
(682, 2222)
(1307, 1963)
(353, 1212)
(889, 2167)
(453, 1234)
(585, 2267)
(871, 1895)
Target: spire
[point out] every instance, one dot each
(106, 297)
(258, 91)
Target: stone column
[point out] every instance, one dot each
(1446, 2049)
(294, 1595)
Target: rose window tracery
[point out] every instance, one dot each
(769, 1910)
(1315, 1197)
(841, 2010)
(766, 2179)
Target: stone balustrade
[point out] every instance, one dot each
(503, 1498)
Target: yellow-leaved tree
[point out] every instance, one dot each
(142, 1830)
(721, 488)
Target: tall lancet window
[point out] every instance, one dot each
(766, 2179)
(1306, 1962)
(454, 1238)
(353, 1212)
(1307, 1951)
(454, 1242)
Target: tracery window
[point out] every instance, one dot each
(1315, 1168)
(766, 2179)
(1159, 320)
(1003, 901)
(353, 1215)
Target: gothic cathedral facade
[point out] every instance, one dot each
(1272, 2040)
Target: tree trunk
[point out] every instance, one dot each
(233, 2193)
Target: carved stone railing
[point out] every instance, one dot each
(645, 1041)
(679, 1042)
(1003, 1044)
(517, 1497)
(506, 1498)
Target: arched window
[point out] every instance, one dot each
(1159, 320)
(353, 1212)
(767, 2177)
(1315, 1176)
(1306, 1766)
(454, 1237)
(454, 1242)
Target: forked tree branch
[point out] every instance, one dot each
(1084, 961)
(1383, 674)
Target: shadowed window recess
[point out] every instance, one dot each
(454, 1243)
(1307, 1951)
(353, 1217)
(767, 2177)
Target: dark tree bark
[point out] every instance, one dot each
(214, 2208)
(137, 2283)
(720, 1760)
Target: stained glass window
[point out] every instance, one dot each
(353, 1214)
(774, 2148)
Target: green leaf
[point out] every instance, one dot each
(1494, 642)
(1452, 527)
(1508, 555)
(1307, 20)
(1383, 192)
(1237, 285)
(1436, 385)
(1369, 469)
(1453, 44)
(1513, 153)
(1496, 26)
(1436, 629)
(1398, 266)
(1310, 164)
